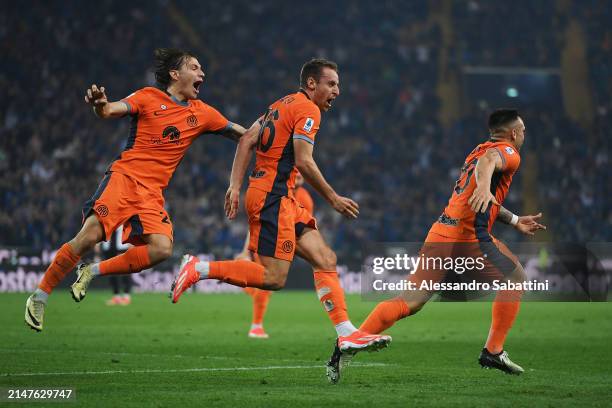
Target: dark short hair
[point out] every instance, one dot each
(166, 60)
(314, 69)
(501, 118)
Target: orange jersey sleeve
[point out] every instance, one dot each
(214, 121)
(136, 101)
(307, 119)
(510, 158)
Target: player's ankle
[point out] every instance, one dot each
(41, 295)
(95, 269)
(494, 350)
(203, 269)
(345, 328)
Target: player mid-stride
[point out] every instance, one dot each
(464, 230)
(261, 297)
(165, 120)
(279, 227)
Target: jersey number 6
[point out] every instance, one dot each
(268, 123)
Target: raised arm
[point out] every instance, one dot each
(104, 109)
(313, 176)
(481, 197)
(241, 162)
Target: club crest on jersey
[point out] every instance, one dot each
(192, 121)
(509, 150)
(308, 125)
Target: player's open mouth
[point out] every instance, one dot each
(329, 103)
(196, 86)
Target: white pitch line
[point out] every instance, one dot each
(110, 353)
(183, 370)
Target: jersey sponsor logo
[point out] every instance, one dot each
(308, 125)
(287, 246)
(509, 150)
(172, 134)
(192, 121)
(102, 210)
(258, 174)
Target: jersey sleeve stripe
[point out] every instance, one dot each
(127, 104)
(502, 157)
(304, 137)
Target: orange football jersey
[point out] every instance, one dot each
(162, 129)
(458, 220)
(293, 117)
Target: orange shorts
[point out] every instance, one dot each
(275, 223)
(121, 200)
(498, 262)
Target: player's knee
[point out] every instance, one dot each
(275, 284)
(85, 241)
(275, 278)
(160, 251)
(328, 260)
(414, 307)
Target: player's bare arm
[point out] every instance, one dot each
(104, 109)
(481, 197)
(234, 132)
(241, 161)
(313, 176)
(526, 224)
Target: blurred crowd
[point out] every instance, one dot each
(381, 144)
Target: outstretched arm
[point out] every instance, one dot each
(313, 176)
(234, 132)
(104, 109)
(526, 224)
(241, 162)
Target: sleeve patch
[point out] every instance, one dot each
(308, 124)
(509, 150)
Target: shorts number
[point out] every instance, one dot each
(268, 123)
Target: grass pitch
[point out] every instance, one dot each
(196, 353)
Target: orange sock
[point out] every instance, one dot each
(238, 273)
(384, 315)
(504, 311)
(331, 295)
(133, 260)
(260, 304)
(65, 260)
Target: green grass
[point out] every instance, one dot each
(148, 347)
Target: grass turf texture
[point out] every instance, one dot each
(143, 354)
